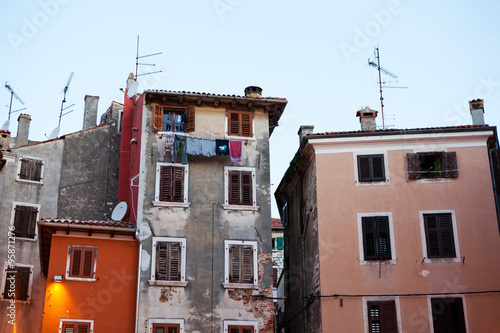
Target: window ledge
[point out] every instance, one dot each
(79, 279)
(241, 138)
(240, 286)
(373, 183)
(168, 283)
(433, 180)
(30, 182)
(376, 262)
(442, 260)
(238, 207)
(27, 239)
(171, 204)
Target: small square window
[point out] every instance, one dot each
(240, 188)
(24, 218)
(439, 235)
(81, 264)
(382, 317)
(171, 184)
(376, 238)
(448, 315)
(173, 119)
(371, 168)
(17, 282)
(432, 165)
(241, 263)
(169, 261)
(240, 123)
(30, 170)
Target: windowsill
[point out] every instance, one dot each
(372, 183)
(180, 284)
(79, 279)
(27, 239)
(240, 286)
(171, 204)
(433, 180)
(442, 260)
(175, 133)
(241, 138)
(30, 182)
(238, 207)
(377, 261)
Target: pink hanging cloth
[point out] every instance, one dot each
(235, 150)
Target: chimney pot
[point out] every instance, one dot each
(367, 118)
(253, 92)
(23, 129)
(303, 131)
(476, 107)
(90, 112)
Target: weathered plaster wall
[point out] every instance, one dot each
(205, 224)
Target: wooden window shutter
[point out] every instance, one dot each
(190, 119)
(175, 261)
(240, 123)
(364, 168)
(25, 169)
(88, 263)
(168, 261)
(165, 183)
(240, 188)
(37, 170)
(246, 124)
(234, 187)
(241, 264)
(70, 327)
(369, 239)
(448, 315)
(234, 123)
(413, 164)
(82, 262)
(439, 236)
(21, 215)
(450, 164)
(382, 317)
(378, 167)
(279, 243)
(76, 261)
(31, 222)
(161, 261)
(384, 239)
(22, 283)
(84, 328)
(177, 184)
(157, 117)
(235, 264)
(247, 263)
(246, 188)
(376, 238)
(171, 184)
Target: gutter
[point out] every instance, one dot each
(227, 97)
(83, 227)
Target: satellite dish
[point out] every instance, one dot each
(6, 125)
(55, 133)
(119, 211)
(133, 89)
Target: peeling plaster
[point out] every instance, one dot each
(145, 260)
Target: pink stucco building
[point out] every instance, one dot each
(393, 230)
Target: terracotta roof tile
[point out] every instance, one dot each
(209, 94)
(110, 223)
(276, 223)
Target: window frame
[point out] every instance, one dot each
(185, 203)
(397, 308)
(158, 114)
(153, 281)
(239, 285)
(456, 296)
(371, 178)
(62, 322)
(392, 237)
(165, 321)
(28, 287)
(30, 181)
(229, 206)
(357, 181)
(229, 135)
(449, 163)
(13, 219)
(241, 323)
(69, 261)
(423, 236)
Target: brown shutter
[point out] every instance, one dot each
(37, 170)
(165, 183)
(378, 167)
(88, 263)
(369, 241)
(246, 124)
(448, 315)
(161, 261)
(450, 164)
(190, 119)
(83, 328)
(175, 261)
(382, 317)
(383, 238)
(413, 164)
(364, 168)
(234, 123)
(22, 283)
(234, 269)
(439, 236)
(21, 214)
(76, 261)
(31, 222)
(24, 172)
(246, 188)
(157, 117)
(69, 328)
(234, 187)
(247, 264)
(177, 184)
(446, 233)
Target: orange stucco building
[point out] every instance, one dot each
(91, 269)
(392, 230)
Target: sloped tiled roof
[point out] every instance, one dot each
(110, 223)
(276, 223)
(204, 94)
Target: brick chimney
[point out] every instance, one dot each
(303, 131)
(253, 92)
(90, 112)
(367, 119)
(23, 129)
(4, 140)
(476, 107)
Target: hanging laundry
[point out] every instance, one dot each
(179, 143)
(208, 147)
(169, 141)
(235, 150)
(222, 147)
(193, 146)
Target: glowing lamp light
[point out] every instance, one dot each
(58, 278)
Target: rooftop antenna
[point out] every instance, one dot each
(55, 132)
(380, 82)
(6, 125)
(137, 63)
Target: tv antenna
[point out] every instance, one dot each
(382, 83)
(55, 132)
(137, 63)
(6, 125)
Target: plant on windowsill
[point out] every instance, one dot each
(434, 171)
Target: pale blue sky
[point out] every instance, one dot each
(312, 53)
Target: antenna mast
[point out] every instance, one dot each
(64, 100)
(380, 83)
(12, 94)
(137, 64)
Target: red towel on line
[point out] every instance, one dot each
(235, 150)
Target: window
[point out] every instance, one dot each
(240, 326)
(240, 264)
(173, 119)
(240, 329)
(24, 217)
(76, 326)
(278, 243)
(239, 189)
(432, 165)
(169, 261)
(439, 235)
(382, 317)
(376, 238)
(171, 185)
(448, 315)
(30, 170)
(371, 168)
(240, 123)
(17, 282)
(81, 264)
(166, 328)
